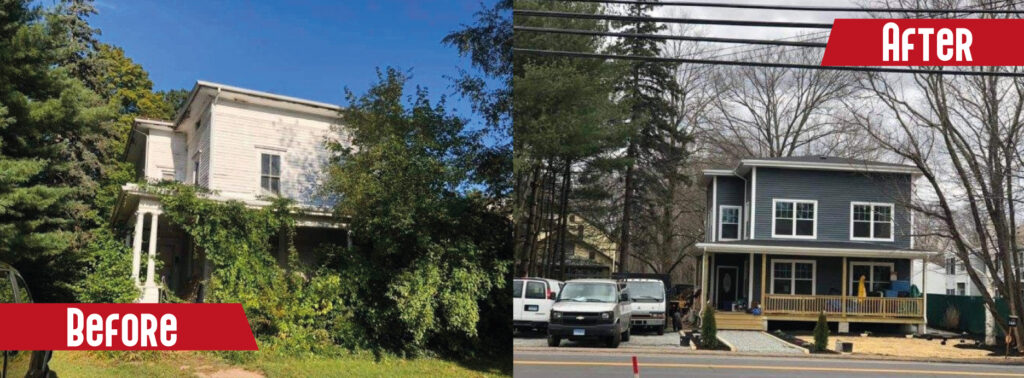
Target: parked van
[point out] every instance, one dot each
(591, 308)
(20, 363)
(648, 304)
(532, 299)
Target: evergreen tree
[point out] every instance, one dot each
(656, 146)
(821, 334)
(708, 328)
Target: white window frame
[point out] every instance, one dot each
(870, 279)
(814, 231)
(739, 221)
(892, 221)
(280, 174)
(792, 278)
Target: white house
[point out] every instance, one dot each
(242, 145)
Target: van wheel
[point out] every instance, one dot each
(625, 337)
(614, 340)
(661, 330)
(553, 341)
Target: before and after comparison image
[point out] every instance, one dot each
(529, 188)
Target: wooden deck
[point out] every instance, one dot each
(845, 307)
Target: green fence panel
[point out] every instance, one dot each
(971, 310)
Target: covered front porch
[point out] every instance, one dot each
(165, 261)
(798, 283)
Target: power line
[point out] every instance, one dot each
(800, 7)
(661, 59)
(668, 37)
(670, 20)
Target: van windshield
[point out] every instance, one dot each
(646, 291)
(588, 292)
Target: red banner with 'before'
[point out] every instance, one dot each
(925, 42)
(124, 326)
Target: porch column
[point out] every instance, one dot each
(703, 280)
(764, 266)
(151, 264)
(924, 295)
(137, 246)
(750, 280)
(846, 283)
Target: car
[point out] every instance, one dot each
(532, 299)
(648, 304)
(591, 309)
(20, 363)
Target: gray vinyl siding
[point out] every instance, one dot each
(730, 193)
(708, 206)
(834, 191)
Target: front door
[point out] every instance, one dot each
(725, 287)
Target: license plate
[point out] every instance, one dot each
(532, 308)
(578, 332)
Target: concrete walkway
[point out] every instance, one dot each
(757, 342)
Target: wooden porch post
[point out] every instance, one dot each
(764, 264)
(924, 295)
(845, 284)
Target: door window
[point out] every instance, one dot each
(536, 290)
(517, 289)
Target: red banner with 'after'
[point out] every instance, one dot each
(124, 326)
(925, 42)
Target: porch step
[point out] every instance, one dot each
(739, 321)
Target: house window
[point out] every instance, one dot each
(795, 219)
(950, 292)
(270, 173)
(950, 266)
(876, 275)
(961, 288)
(871, 221)
(729, 223)
(195, 172)
(794, 277)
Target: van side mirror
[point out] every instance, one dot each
(624, 297)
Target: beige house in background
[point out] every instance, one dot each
(590, 252)
(242, 145)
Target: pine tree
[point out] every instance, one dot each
(708, 328)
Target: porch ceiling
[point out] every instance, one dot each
(812, 248)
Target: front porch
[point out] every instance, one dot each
(174, 265)
(798, 284)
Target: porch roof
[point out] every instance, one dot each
(813, 248)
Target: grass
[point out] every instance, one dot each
(199, 364)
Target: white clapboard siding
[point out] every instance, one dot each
(241, 131)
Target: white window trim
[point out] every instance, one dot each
(870, 279)
(792, 278)
(260, 151)
(739, 223)
(814, 231)
(892, 221)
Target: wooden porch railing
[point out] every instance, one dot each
(833, 305)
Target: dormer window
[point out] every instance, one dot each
(871, 221)
(794, 218)
(729, 223)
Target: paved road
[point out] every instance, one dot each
(595, 365)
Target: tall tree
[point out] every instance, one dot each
(656, 145)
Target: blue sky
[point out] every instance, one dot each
(306, 49)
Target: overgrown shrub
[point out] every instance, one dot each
(708, 328)
(106, 271)
(821, 334)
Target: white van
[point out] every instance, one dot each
(648, 304)
(531, 302)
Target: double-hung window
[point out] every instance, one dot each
(270, 173)
(794, 277)
(794, 218)
(729, 223)
(871, 221)
(876, 275)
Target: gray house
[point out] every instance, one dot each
(796, 235)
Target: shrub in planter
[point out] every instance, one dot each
(821, 334)
(708, 329)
